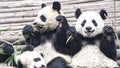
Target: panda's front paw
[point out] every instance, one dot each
(27, 31)
(70, 31)
(7, 48)
(108, 31)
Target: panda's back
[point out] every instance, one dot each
(91, 56)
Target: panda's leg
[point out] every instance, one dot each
(107, 44)
(58, 63)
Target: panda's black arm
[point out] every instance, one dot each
(31, 37)
(61, 37)
(63, 22)
(107, 45)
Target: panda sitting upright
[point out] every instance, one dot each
(97, 41)
(49, 35)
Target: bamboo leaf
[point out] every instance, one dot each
(15, 56)
(4, 30)
(1, 52)
(10, 62)
(9, 59)
(7, 42)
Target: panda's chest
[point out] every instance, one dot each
(91, 55)
(45, 38)
(91, 51)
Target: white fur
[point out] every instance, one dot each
(89, 16)
(27, 59)
(50, 53)
(2, 65)
(50, 15)
(91, 57)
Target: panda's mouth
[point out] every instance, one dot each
(40, 28)
(89, 32)
(40, 67)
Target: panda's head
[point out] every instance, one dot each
(31, 59)
(46, 19)
(90, 23)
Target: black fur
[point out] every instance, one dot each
(20, 65)
(77, 13)
(107, 45)
(43, 5)
(61, 36)
(106, 39)
(56, 6)
(8, 50)
(58, 62)
(31, 37)
(58, 37)
(28, 48)
(103, 14)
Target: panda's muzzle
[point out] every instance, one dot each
(89, 30)
(39, 27)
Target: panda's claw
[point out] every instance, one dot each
(108, 31)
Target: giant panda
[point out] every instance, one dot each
(28, 59)
(44, 33)
(44, 26)
(97, 41)
(31, 59)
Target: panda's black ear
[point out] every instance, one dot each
(41, 54)
(77, 13)
(103, 14)
(56, 6)
(43, 5)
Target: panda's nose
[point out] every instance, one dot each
(88, 28)
(34, 23)
(43, 66)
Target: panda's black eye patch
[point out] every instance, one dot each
(83, 23)
(43, 18)
(94, 22)
(37, 59)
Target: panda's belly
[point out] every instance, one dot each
(50, 53)
(91, 56)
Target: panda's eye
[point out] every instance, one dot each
(83, 23)
(37, 59)
(94, 22)
(43, 18)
